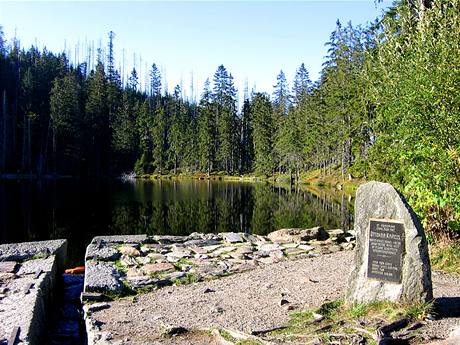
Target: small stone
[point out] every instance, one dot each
(306, 247)
(8, 266)
(174, 275)
(232, 237)
(129, 250)
(335, 248)
(98, 306)
(269, 247)
(143, 260)
(128, 261)
(297, 235)
(317, 317)
(277, 254)
(134, 272)
(283, 302)
(157, 257)
(156, 268)
(208, 290)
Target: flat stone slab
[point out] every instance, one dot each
(102, 276)
(105, 253)
(27, 250)
(120, 239)
(8, 266)
(27, 291)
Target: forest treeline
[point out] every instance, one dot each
(386, 106)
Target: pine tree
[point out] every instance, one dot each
(302, 84)
(66, 123)
(262, 114)
(281, 96)
(224, 99)
(206, 131)
(155, 82)
(97, 122)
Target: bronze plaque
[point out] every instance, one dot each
(386, 249)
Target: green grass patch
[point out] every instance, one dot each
(350, 321)
(446, 257)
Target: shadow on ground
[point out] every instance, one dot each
(447, 307)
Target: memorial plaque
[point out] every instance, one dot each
(386, 246)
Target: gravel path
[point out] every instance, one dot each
(251, 301)
(247, 301)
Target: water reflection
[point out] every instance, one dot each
(79, 210)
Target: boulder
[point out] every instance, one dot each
(391, 257)
(297, 235)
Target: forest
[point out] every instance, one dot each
(386, 107)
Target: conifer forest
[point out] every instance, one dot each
(386, 107)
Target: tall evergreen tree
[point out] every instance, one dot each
(262, 114)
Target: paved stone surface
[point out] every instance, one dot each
(101, 276)
(27, 250)
(105, 253)
(27, 293)
(381, 201)
(161, 260)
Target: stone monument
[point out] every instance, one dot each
(391, 256)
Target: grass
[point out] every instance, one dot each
(227, 336)
(445, 257)
(348, 322)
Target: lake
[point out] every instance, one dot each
(78, 210)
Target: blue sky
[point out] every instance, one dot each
(253, 39)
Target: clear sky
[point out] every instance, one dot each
(253, 39)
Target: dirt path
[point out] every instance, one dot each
(250, 301)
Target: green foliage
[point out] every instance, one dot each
(446, 257)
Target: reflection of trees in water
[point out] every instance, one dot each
(219, 207)
(78, 210)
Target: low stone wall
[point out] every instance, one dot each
(123, 265)
(28, 274)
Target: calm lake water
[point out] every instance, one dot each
(78, 211)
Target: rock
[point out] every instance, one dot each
(277, 254)
(223, 250)
(143, 260)
(283, 302)
(105, 253)
(269, 260)
(269, 247)
(166, 239)
(8, 266)
(208, 290)
(174, 275)
(98, 306)
(157, 268)
(403, 277)
(101, 277)
(336, 232)
(250, 238)
(317, 317)
(305, 247)
(134, 272)
(129, 250)
(180, 253)
(294, 251)
(157, 257)
(335, 248)
(232, 237)
(128, 261)
(140, 282)
(201, 243)
(296, 235)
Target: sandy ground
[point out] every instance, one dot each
(250, 301)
